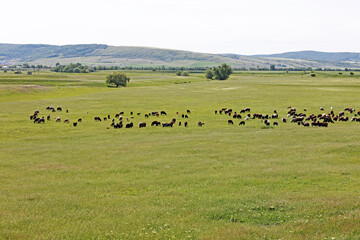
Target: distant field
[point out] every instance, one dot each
(212, 182)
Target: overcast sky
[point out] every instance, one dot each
(226, 26)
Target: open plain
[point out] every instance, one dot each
(218, 181)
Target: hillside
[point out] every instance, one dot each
(318, 56)
(98, 54)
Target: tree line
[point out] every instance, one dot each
(79, 68)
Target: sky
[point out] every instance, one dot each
(227, 26)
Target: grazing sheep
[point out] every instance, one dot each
(242, 123)
(284, 120)
(142, 124)
(129, 125)
(185, 124)
(188, 111)
(170, 124)
(155, 123)
(41, 120)
(48, 117)
(230, 122)
(275, 123)
(305, 124)
(200, 124)
(79, 120)
(66, 120)
(58, 119)
(74, 124)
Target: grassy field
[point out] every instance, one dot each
(211, 182)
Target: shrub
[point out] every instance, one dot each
(222, 72)
(185, 73)
(118, 79)
(209, 74)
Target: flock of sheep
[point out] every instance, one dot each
(119, 121)
(301, 118)
(244, 115)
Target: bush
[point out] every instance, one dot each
(351, 73)
(209, 74)
(118, 79)
(178, 73)
(185, 73)
(313, 75)
(222, 72)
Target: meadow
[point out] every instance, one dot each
(213, 182)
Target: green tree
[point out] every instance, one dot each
(272, 67)
(185, 73)
(222, 72)
(118, 79)
(178, 73)
(209, 74)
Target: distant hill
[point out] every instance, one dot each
(30, 52)
(318, 56)
(99, 54)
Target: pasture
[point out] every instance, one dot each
(218, 181)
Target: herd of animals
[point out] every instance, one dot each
(293, 116)
(118, 121)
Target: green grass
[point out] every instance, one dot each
(214, 182)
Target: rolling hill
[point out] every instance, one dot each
(100, 54)
(318, 56)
